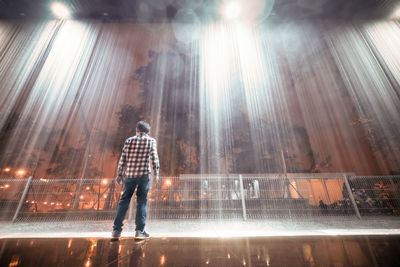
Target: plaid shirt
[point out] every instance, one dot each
(136, 155)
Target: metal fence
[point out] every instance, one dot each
(245, 197)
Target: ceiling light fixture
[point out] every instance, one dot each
(60, 10)
(231, 10)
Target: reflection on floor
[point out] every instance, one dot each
(271, 251)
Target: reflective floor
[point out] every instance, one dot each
(265, 251)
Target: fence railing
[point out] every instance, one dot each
(306, 196)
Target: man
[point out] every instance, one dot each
(134, 165)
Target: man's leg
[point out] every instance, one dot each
(123, 204)
(141, 209)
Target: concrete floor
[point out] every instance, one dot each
(210, 228)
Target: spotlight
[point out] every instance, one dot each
(7, 169)
(231, 10)
(60, 10)
(396, 13)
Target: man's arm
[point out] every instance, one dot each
(121, 163)
(154, 158)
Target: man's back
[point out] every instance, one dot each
(136, 155)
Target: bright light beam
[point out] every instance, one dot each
(60, 10)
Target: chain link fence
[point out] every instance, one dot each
(305, 196)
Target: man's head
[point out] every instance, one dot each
(142, 127)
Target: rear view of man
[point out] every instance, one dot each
(134, 165)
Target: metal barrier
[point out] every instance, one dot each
(305, 196)
(11, 193)
(376, 195)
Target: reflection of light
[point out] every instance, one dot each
(162, 260)
(52, 203)
(231, 10)
(87, 263)
(60, 10)
(94, 244)
(14, 261)
(228, 256)
(104, 181)
(7, 169)
(45, 203)
(69, 243)
(43, 180)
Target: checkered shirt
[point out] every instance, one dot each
(136, 155)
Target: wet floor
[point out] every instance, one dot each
(270, 251)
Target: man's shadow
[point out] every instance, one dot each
(131, 253)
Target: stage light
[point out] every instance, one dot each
(6, 186)
(104, 181)
(60, 10)
(231, 10)
(7, 169)
(81, 197)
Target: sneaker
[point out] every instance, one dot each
(141, 235)
(115, 235)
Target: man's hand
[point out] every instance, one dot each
(119, 180)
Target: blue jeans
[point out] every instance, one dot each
(143, 185)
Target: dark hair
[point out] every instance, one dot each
(143, 127)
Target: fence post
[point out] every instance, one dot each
(243, 199)
(22, 199)
(130, 209)
(353, 201)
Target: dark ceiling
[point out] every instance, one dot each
(155, 11)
